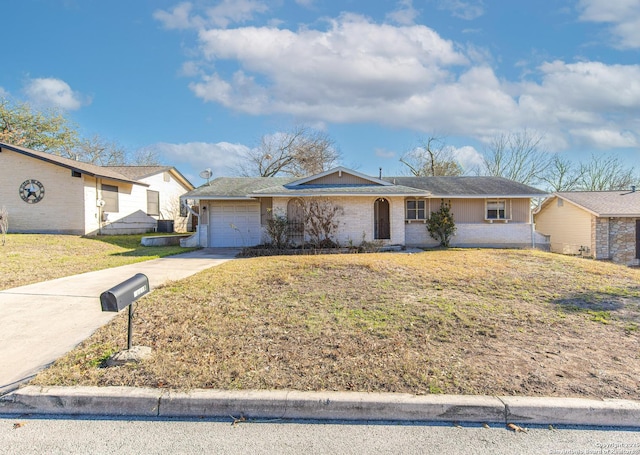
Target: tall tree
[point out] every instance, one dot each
(517, 156)
(50, 131)
(99, 151)
(432, 158)
(299, 152)
(562, 175)
(47, 131)
(606, 173)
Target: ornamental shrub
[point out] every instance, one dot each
(441, 225)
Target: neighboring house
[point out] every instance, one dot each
(488, 211)
(45, 193)
(598, 224)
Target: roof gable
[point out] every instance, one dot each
(338, 176)
(142, 172)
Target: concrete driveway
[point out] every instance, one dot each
(41, 322)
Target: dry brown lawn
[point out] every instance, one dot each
(490, 322)
(31, 258)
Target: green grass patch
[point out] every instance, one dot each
(31, 258)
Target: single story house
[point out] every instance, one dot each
(488, 211)
(597, 224)
(45, 193)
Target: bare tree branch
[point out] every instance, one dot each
(606, 173)
(432, 158)
(562, 175)
(516, 156)
(302, 151)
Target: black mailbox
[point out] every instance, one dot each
(125, 293)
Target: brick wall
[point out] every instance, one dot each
(600, 238)
(357, 220)
(622, 240)
(61, 208)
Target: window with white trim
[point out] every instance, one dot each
(496, 209)
(416, 209)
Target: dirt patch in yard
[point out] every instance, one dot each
(490, 322)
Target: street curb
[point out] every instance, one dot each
(255, 404)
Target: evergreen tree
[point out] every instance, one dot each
(441, 225)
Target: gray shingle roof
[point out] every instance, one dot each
(340, 190)
(85, 168)
(139, 172)
(606, 203)
(246, 187)
(235, 187)
(468, 186)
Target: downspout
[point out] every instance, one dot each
(99, 209)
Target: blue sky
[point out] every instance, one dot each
(201, 81)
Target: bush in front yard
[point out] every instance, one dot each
(441, 225)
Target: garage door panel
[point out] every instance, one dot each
(235, 224)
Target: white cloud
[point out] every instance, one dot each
(468, 10)
(3, 92)
(604, 138)
(405, 14)
(179, 17)
(596, 104)
(355, 70)
(384, 153)
(56, 93)
(235, 11)
(468, 157)
(222, 158)
(226, 12)
(623, 15)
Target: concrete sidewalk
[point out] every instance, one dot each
(43, 321)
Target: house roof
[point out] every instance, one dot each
(235, 187)
(468, 187)
(624, 203)
(84, 168)
(141, 172)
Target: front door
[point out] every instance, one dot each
(382, 226)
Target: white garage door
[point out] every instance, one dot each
(234, 224)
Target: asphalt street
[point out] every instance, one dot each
(106, 436)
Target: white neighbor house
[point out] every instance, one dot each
(45, 193)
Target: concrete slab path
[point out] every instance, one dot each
(41, 322)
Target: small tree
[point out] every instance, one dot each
(321, 221)
(441, 225)
(4, 223)
(278, 230)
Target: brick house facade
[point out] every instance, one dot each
(488, 211)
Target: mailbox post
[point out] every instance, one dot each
(123, 295)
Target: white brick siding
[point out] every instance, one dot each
(170, 193)
(59, 211)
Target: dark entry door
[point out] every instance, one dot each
(382, 227)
